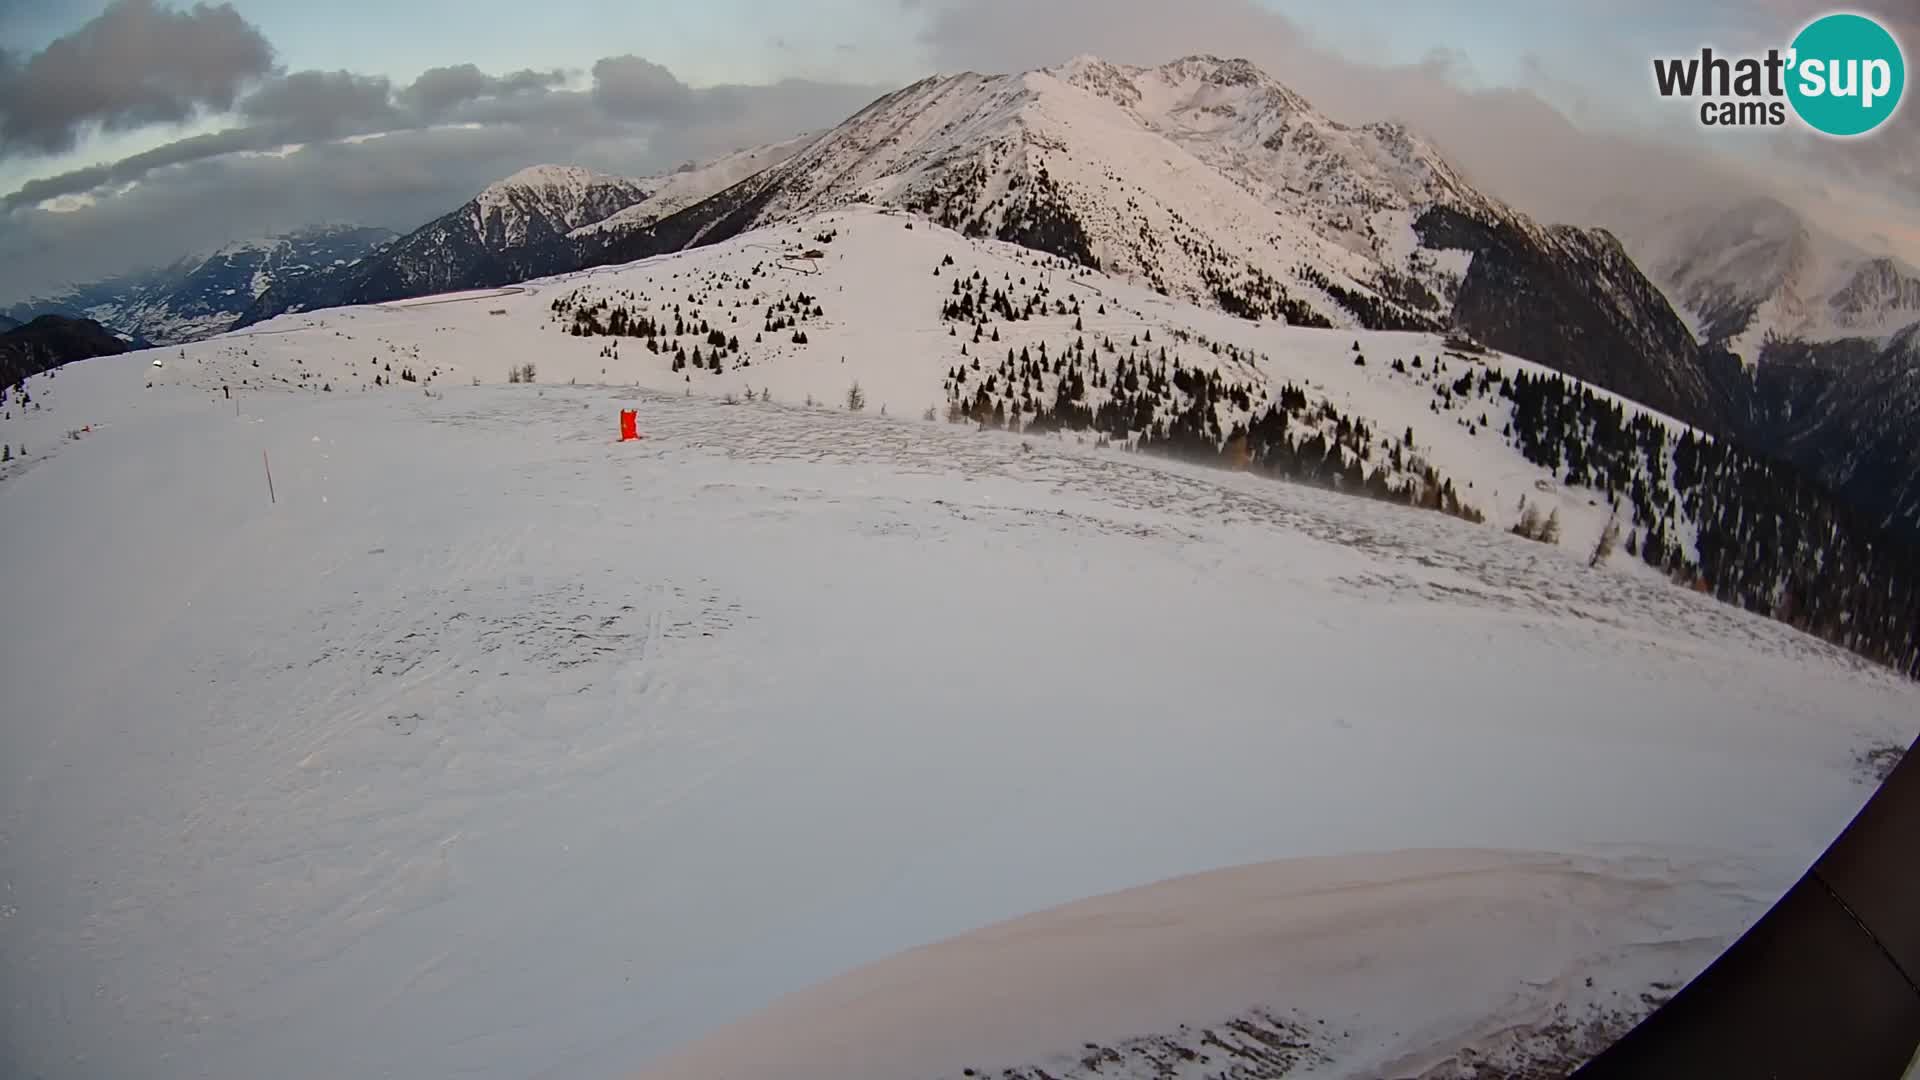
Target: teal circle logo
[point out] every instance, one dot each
(1847, 75)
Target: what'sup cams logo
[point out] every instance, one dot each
(1843, 75)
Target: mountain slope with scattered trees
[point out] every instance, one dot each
(49, 341)
(1207, 180)
(876, 309)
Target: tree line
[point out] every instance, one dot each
(1749, 530)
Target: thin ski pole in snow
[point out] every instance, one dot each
(269, 465)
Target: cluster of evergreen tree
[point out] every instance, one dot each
(787, 312)
(1043, 220)
(592, 316)
(1765, 536)
(953, 199)
(1258, 295)
(1032, 212)
(1374, 312)
(588, 316)
(1160, 404)
(976, 300)
(1242, 290)
(719, 346)
(405, 375)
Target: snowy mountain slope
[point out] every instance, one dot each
(514, 229)
(204, 295)
(692, 182)
(530, 224)
(1755, 271)
(881, 282)
(1209, 181)
(341, 783)
(1346, 182)
(549, 200)
(935, 323)
(1038, 157)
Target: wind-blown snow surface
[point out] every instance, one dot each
(496, 748)
(1427, 963)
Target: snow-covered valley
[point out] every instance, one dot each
(492, 746)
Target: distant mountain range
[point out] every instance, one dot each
(509, 232)
(522, 227)
(200, 296)
(1756, 271)
(1825, 335)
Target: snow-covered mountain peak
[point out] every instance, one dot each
(1200, 85)
(1878, 288)
(550, 200)
(1273, 142)
(1755, 270)
(1207, 180)
(556, 178)
(1097, 76)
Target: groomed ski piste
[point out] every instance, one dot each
(491, 746)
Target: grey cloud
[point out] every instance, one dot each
(631, 96)
(1011, 35)
(735, 117)
(440, 89)
(317, 105)
(197, 193)
(322, 104)
(633, 87)
(304, 106)
(528, 79)
(399, 181)
(137, 63)
(572, 111)
(177, 152)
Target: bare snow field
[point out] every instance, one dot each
(495, 748)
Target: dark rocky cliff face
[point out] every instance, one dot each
(1571, 299)
(1848, 412)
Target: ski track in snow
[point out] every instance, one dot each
(495, 748)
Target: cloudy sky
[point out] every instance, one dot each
(137, 131)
